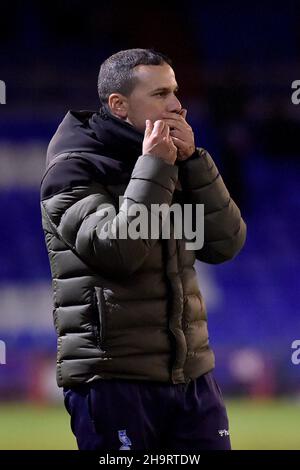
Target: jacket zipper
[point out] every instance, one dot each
(96, 322)
(100, 308)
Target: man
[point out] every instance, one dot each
(133, 352)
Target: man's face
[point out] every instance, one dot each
(154, 94)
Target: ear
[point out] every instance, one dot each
(118, 105)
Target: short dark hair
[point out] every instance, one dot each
(116, 73)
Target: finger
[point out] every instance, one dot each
(180, 144)
(169, 141)
(176, 133)
(158, 126)
(167, 131)
(174, 124)
(149, 126)
(182, 147)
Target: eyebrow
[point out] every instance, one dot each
(165, 89)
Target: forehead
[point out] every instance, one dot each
(155, 76)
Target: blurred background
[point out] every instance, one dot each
(235, 63)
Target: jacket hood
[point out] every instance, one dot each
(98, 133)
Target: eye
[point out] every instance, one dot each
(164, 93)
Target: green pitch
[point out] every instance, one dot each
(253, 425)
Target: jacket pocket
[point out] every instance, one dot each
(100, 306)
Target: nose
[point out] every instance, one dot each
(174, 106)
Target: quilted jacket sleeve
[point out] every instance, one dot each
(224, 228)
(83, 217)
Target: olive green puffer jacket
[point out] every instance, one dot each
(126, 308)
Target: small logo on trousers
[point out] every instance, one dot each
(125, 440)
(223, 432)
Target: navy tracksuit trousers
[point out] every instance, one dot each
(122, 414)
